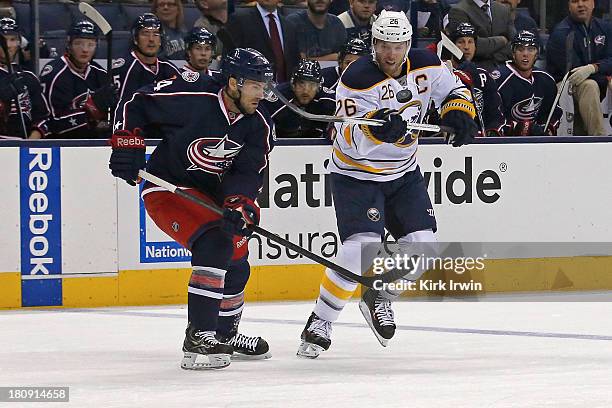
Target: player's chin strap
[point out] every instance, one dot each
(369, 281)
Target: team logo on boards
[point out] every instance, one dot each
(212, 154)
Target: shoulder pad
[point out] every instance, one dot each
(362, 74)
(420, 58)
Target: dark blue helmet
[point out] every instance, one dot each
(463, 30)
(8, 26)
(526, 38)
(82, 29)
(145, 21)
(308, 70)
(354, 46)
(200, 35)
(246, 63)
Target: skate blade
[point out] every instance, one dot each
(246, 357)
(365, 311)
(309, 350)
(195, 361)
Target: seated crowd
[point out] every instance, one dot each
(492, 47)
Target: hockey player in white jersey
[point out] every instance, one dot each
(376, 180)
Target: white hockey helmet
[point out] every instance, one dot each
(392, 26)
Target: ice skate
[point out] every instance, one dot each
(316, 337)
(378, 314)
(248, 347)
(203, 351)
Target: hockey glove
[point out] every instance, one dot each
(128, 155)
(100, 101)
(10, 87)
(391, 131)
(238, 212)
(465, 127)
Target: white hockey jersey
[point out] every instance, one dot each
(363, 88)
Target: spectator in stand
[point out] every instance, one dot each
(358, 19)
(494, 28)
(521, 21)
(77, 89)
(20, 88)
(200, 45)
(433, 25)
(263, 28)
(142, 66)
(320, 35)
(582, 44)
(351, 51)
(170, 13)
(306, 91)
(214, 17)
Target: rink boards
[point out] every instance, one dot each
(74, 236)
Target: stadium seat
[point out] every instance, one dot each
(132, 11)
(191, 15)
(112, 12)
(53, 16)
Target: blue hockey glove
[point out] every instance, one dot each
(391, 131)
(465, 127)
(238, 212)
(128, 155)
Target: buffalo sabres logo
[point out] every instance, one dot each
(373, 214)
(212, 155)
(190, 76)
(411, 112)
(527, 109)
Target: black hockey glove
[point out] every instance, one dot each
(391, 131)
(100, 101)
(11, 86)
(538, 130)
(128, 155)
(465, 127)
(238, 211)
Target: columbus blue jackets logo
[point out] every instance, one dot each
(527, 109)
(600, 40)
(212, 154)
(190, 76)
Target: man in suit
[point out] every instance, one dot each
(494, 26)
(264, 29)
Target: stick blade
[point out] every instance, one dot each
(88, 11)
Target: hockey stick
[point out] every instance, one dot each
(93, 14)
(357, 121)
(445, 42)
(556, 101)
(368, 281)
(11, 71)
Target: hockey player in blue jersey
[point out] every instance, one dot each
(352, 50)
(527, 94)
(142, 66)
(484, 89)
(199, 48)
(215, 144)
(306, 91)
(375, 178)
(77, 89)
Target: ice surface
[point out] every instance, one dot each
(445, 354)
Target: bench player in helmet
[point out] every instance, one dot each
(141, 66)
(21, 87)
(76, 87)
(352, 50)
(199, 48)
(484, 89)
(215, 144)
(527, 93)
(375, 177)
(306, 91)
